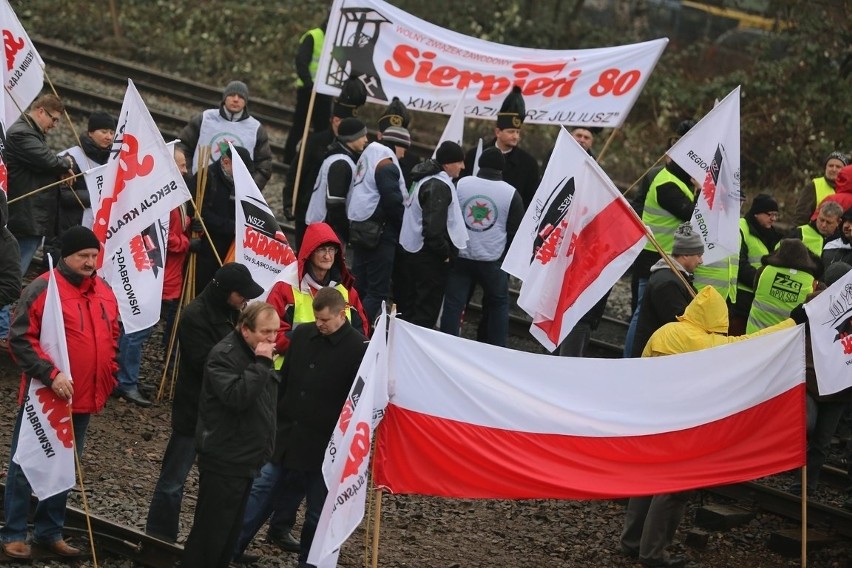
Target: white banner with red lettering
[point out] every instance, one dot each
(142, 183)
(260, 244)
(23, 71)
(830, 319)
(710, 153)
(397, 54)
(137, 275)
(578, 237)
(347, 457)
(45, 448)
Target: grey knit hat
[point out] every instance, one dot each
(687, 241)
(236, 88)
(397, 135)
(838, 156)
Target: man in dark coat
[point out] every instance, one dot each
(318, 372)
(666, 295)
(218, 213)
(31, 165)
(521, 170)
(235, 433)
(204, 322)
(10, 262)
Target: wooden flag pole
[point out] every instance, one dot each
(609, 139)
(804, 516)
(85, 501)
(377, 521)
(302, 144)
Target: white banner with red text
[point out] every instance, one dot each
(45, 448)
(260, 244)
(23, 71)
(830, 319)
(396, 54)
(141, 181)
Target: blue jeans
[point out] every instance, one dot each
(272, 488)
(49, 515)
(372, 269)
(164, 512)
(130, 357)
(464, 274)
(634, 321)
(29, 246)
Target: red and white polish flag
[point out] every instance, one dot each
(576, 240)
(347, 457)
(471, 420)
(45, 448)
(259, 242)
(830, 319)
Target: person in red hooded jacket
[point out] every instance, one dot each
(842, 190)
(320, 263)
(90, 313)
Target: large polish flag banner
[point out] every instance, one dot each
(396, 54)
(260, 244)
(471, 420)
(347, 457)
(23, 69)
(576, 240)
(45, 449)
(141, 181)
(710, 153)
(830, 319)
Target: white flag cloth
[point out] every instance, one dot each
(710, 153)
(454, 130)
(830, 320)
(476, 158)
(347, 457)
(396, 54)
(141, 182)
(137, 276)
(575, 241)
(45, 449)
(23, 73)
(259, 244)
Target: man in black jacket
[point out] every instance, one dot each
(432, 233)
(32, 165)
(205, 321)
(235, 433)
(319, 369)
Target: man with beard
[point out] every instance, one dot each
(758, 236)
(218, 212)
(328, 200)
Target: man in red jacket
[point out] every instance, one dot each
(90, 312)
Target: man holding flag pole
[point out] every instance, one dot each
(67, 310)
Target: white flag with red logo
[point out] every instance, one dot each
(347, 457)
(454, 130)
(260, 243)
(578, 237)
(23, 69)
(830, 322)
(710, 153)
(141, 182)
(471, 420)
(45, 449)
(137, 276)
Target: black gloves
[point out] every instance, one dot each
(799, 315)
(196, 226)
(195, 245)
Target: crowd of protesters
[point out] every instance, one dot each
(260, 383)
